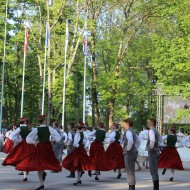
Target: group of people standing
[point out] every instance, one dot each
(41, 148)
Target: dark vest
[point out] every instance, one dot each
(100, 135)
(171, 140)
(155, 148)
(24, 131)
(81, 139)
(117, 136)
(125, 143)
(43, 134)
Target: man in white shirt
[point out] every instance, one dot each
(153, 152)
(130, 147)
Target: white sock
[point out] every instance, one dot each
(172, 172)
(78, 176)
(40, 175)
(97, 172)
(25, 174)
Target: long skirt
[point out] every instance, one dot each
(115, 154)
(8, 147)
(77, 160)
(99, 158)
(43, 158)
(19, 153)
(169, 158)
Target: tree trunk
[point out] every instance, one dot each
(111, 111)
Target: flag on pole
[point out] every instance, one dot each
(85, 45)
(67, 36)
(47, 34)
(26, 41)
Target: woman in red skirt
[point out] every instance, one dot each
(169, 157)
(115, 150)
(97, 153)
(23, 149)
(11, 141)
(43, 157)
(78, 160)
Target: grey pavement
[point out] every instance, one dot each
(10, 180)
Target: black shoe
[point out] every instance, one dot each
(41, 187)
(78, 182)
(131, 187)
(21, 173)
(82, 173)
(25, 179)
(89, 173)
(114, 170)
(171, 178)
(44, 176)
(96, 178)
(119, 176)
(156, 185)
(164, 171)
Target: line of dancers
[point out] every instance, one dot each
(41, 148)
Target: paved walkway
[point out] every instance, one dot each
(10, 180)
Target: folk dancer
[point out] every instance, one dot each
(115, 150)
(153, 152)
(58, 146)
(70, 147)
(169, 157)
(9, 143)
(23, 149)
(97, 152)
(43, 158)
(78, 160)
(130, 151)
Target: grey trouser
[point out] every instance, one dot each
(58, 150)
(130, 158)
(153, 157)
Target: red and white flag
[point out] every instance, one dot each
(26, 41)
(85, 44)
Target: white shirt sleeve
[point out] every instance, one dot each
(138, 143)
(69, 139)
(32, 136)
(111, 137)
(152, 138)
(92, 134)
(65, 135)
(186, 141)
(54, 134)
(130, 140)
(76, 140)
(14, 136)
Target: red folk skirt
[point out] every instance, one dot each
(8, 147)
(169, 158)
(43, 158)
(19, 153)
(99, 158)
(115, 154)
(77, 160)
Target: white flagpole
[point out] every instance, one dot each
(64, 76)
(3, 68)
(84, 92)
(23, 77)
(44, 82)
(44, 76)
